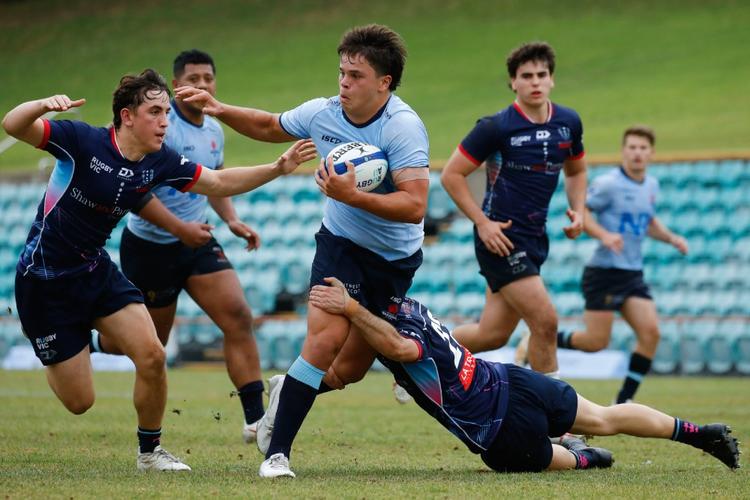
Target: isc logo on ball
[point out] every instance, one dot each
(370, 163)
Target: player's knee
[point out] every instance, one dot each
(80, 404)
(237, 320)
(597, 344)
(546, 328)
(650, 335)
(151, 361)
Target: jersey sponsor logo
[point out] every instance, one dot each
(466, 375)
(125, 173)
(43, 342)
(183, 160)
(332, 140)
(99, 166)
(542, 135)
(77, 195)
(634, 223)
(188, 147)
(519, 140)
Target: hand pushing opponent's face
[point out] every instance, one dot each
(200, 76)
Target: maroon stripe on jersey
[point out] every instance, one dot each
(578, 156)
(468, 155)
(45, 136)
(195, 179)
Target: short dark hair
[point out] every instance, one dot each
(641, 131)
(192, 56)
(132, 90)
(533, 51)
(382, 47)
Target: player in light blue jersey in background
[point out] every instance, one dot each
(623, 201)
(370, 241)
(168, 246)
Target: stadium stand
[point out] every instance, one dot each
(703, 298)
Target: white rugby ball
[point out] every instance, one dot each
(370, 163)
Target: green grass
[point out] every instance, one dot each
(355, 444)
(677, 65)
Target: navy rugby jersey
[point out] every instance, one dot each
(468, 396)
(524, 160)
(91, 188)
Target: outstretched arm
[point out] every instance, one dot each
(380, 334)
(24, 121)
(231, 181)
(254, 123)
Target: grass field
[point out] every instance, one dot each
(355, 444)
(677, 65)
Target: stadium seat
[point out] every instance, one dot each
(667, 357)
(693, 347)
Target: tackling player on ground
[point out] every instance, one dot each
(624, 202)
(66, 283)
(525, 146)
(372, 241)
(168, 246)
(504, 412)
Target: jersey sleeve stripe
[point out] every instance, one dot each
(281, 124)
(578, 156)
(45, 136)
(419, 346)
(197, 175)
(468, 155)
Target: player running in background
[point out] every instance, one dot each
(168, 246)
(372, 241)
(525, 146)
(503, 412)
(66, 283)
(623, 201)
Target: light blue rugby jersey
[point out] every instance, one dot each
(399, 133)
(202, 144)
(622, 205)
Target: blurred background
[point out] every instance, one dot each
(680, 67)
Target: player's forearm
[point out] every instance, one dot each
(232, 181)
(380, 334)
(223, 207)
(21, 121)
(592, 227)
(399, 206)
(156, 213)
(659, 231)
(457, 188)
(575, 189)
(254, 123)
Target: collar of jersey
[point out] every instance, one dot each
(113, 137)
(371, 120)
(183, 118)
(550, 111)
(622, 169)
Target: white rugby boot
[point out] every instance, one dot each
(160, 459)
(277, 465)
(400, 394)
(265, 424)
(250, 431)
(521, 357)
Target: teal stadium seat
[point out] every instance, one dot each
(667, 357)
(693, 347)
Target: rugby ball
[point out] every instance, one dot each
(370, 163)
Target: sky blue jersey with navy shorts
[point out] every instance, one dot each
(468, 396)
(202, 144)
(625, 206)
(523, 160)
(91, 188)
(399, 133)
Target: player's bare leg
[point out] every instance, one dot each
(642, 421)
(529, 298)
(597, 334)
(496, 324)
(221, 296)
(72, 382)
(353, 361)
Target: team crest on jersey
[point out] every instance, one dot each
(564, 133)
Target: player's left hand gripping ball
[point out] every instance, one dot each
(370, 163)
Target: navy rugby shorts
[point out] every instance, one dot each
(370, 279)
(538, 408)
(160, 270)
(529, 253)
(607, 289)
(57, 314)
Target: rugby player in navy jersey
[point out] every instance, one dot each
(168, 246)
(503, 412)
(525, 146)
(371, 241)
(66, 283)
(624, 202)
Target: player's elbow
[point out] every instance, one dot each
(419, 210)
(403, 352)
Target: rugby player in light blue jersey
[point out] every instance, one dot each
(500, 411)
(66, 283)
(168, 246)
(623, 201)
(525, 146)
(371, 241)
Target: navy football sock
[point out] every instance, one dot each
(295, 400)
(251, 397)
(148, 440)
(688, 433)
(564, 338)
(324, 388)
(638, 368)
